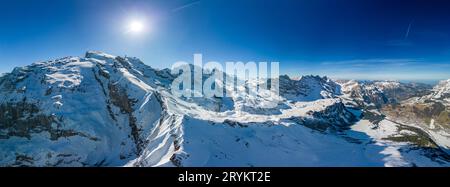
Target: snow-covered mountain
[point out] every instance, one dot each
(104, 110)
(380, 93)
(363, 94)
(440, 92)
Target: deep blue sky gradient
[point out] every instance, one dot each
(354, 39)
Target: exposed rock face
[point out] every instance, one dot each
(24, 119)
(336, 116)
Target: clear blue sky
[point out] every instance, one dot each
(355, 39)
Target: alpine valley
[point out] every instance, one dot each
(105, 110)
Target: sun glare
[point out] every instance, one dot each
(136, 27)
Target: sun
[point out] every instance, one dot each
(136, 27)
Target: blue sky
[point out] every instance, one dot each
(354, 39)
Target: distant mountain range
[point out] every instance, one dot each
(105, 110)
